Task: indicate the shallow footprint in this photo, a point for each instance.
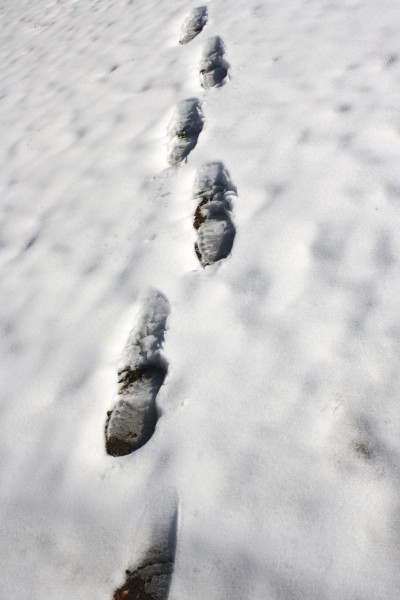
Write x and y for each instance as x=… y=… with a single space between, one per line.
x=151 y=579
x=213 y=66
x=185 y=129
x=212 y=220
x=193 y=24
x=133 y=419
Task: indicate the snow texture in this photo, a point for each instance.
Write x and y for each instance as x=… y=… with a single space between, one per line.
x=278 y=426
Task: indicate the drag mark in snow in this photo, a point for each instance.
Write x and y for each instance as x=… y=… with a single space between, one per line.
x=185 y=129
x=151 y=579
x=133 y=419
x=213 y=66
x=193 y=24
x=212 y=221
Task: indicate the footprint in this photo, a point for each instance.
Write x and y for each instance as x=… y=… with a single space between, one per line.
x=133 y=419
x=193 y=24
x=213 y=66
x=212 y=220
x=185 y=129
x=151 y=579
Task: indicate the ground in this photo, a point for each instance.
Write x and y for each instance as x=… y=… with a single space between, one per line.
x=278 y=434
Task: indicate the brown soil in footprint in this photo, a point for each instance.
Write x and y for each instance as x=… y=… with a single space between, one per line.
x=199 y=219
x=115 y=447
x=132 y=421
x=150 y=578
x=151 y=582
x=132 y=591
x=213 y=192
x=128 y=376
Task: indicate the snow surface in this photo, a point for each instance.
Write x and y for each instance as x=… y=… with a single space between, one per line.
x=279 y=429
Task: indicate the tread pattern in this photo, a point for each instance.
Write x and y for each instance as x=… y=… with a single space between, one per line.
x=212 y=219
x=213 y=66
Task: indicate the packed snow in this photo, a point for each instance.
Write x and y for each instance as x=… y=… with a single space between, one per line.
x=276 y=455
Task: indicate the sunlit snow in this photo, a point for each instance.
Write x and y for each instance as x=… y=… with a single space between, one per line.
x=277 y=447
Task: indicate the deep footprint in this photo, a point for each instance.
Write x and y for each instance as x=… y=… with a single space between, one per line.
x=133 y=419
x=151 y=579
x=185 y=129
x=213 y=66
x=212 y=221
x=194 y=24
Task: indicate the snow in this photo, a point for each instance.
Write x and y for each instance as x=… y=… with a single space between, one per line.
x=278 y=431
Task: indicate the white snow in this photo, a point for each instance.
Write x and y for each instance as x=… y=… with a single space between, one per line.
x=279 y=429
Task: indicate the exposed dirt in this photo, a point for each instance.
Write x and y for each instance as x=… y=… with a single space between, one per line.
x=117 y=447
x=128 y=376
x=135 y=429
x=139 y=584
x=199 y=219
x=134 y=590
